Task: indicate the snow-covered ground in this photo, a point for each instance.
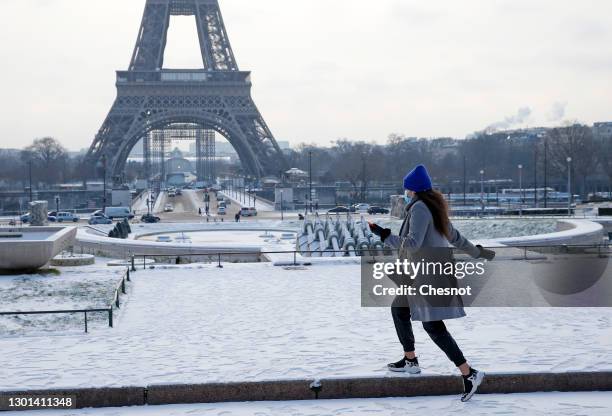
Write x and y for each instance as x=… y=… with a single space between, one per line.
x=535 y=404
x=90 y=287
x=158 y=202
x=139 y=205
x=247 y=322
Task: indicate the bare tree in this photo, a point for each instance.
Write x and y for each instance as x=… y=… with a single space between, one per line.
x=49 y=157
x=575 y=141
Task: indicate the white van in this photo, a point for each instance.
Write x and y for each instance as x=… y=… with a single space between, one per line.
x=120 y=213
x=248 y=212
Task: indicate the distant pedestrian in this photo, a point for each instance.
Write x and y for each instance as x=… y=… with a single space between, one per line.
x=200 y=212
x=237 y=217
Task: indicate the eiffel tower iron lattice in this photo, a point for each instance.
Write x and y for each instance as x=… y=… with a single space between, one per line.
x=216 y=97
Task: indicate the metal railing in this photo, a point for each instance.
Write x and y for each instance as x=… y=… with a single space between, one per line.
x=136 y=260
x=115 y=302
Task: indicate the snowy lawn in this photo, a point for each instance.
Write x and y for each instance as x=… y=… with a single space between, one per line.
x=591 y=403
x=246 y=322
x=61 y=288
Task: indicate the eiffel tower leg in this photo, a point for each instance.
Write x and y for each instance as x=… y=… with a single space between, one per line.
x=261 y=140
x=109 y=139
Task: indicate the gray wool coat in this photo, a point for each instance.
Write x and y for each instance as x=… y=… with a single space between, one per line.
x=417 y=233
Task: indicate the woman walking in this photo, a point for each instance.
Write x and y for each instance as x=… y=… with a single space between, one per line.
x=427 y=226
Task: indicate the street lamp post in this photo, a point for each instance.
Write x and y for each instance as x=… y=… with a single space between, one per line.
x=310 y=179
x=545 y=172
x=30 y=174
x=282 y=211
x=464 y=180
x=535 y=178
x=569 y=186
x=482 y=202
x=520 y=167
x=104 y=183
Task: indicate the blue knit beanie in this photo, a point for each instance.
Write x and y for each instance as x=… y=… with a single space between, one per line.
x=418 y=180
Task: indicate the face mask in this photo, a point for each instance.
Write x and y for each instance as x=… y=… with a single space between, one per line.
x=407 y=199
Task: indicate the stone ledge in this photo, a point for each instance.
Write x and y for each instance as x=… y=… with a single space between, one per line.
x=408 y=386
x=87 y=397
x=348 y=388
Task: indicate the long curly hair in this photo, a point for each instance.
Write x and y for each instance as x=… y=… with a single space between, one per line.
x=438 y=207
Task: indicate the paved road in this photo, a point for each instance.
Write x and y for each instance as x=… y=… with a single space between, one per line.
x=186 y=208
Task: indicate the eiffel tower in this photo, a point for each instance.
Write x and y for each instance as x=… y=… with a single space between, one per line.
x=216 y=97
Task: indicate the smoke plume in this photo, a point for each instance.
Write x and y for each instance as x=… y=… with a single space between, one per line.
x=521 y=116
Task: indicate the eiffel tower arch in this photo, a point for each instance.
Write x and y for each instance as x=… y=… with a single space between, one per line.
x=215 y=97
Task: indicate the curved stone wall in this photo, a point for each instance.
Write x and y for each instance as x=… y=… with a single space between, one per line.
x=570 y=232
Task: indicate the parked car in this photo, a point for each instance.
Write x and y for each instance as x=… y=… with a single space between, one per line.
x=150 y=219
x=66 y=217
x=360 y=208
x=377 y=210
x=339 y=209
x=248 y=212
x=25 y=218
x=169 y=208
x=221 y=211
x=120 y=213
x=99 y=219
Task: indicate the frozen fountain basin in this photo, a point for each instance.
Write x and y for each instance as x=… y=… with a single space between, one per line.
x=30 y=248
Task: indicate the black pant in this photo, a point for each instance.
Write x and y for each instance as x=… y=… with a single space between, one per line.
x=436 y=330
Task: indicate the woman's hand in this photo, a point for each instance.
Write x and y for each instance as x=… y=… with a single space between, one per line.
x=485 y=253
x=383 y=233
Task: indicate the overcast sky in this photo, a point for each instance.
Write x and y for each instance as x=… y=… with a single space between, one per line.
x=325 y=69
